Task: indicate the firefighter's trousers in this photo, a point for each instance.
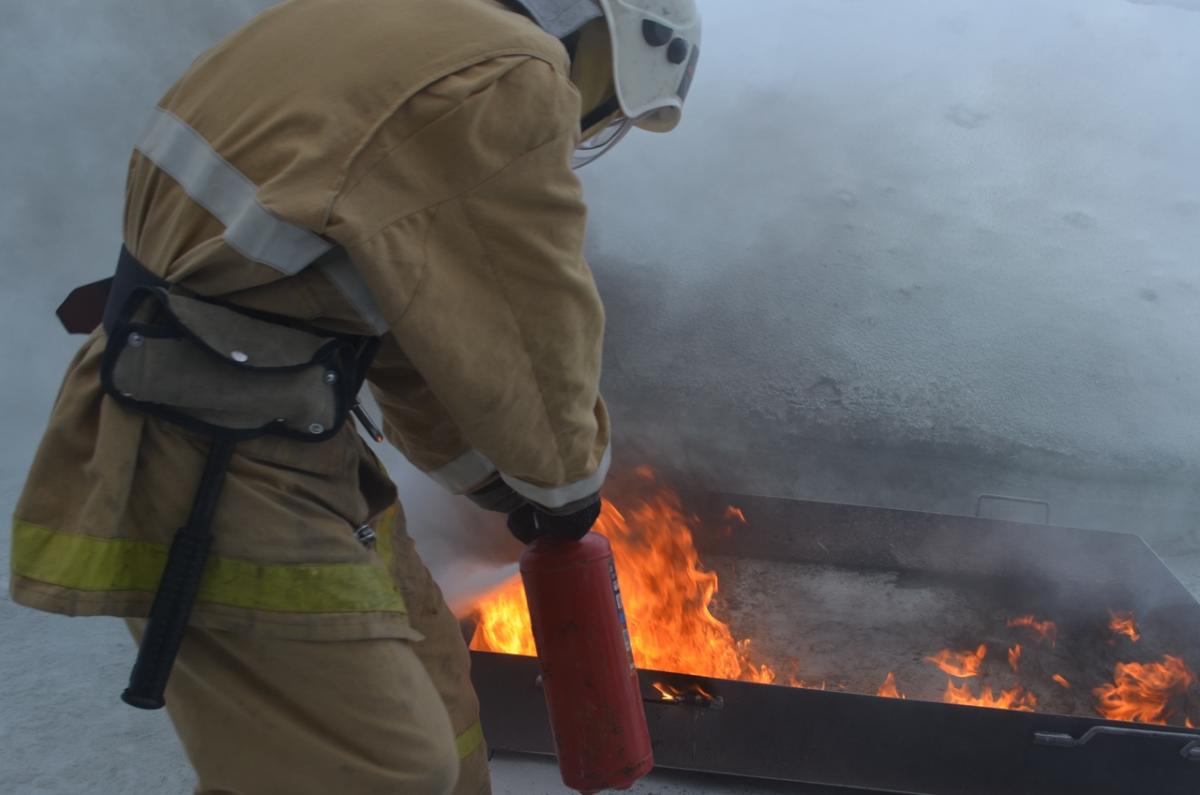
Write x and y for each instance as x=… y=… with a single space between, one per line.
x=261 y=716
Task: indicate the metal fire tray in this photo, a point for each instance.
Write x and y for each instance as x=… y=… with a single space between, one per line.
x=901 y=573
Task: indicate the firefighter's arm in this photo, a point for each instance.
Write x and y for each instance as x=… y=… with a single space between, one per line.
x=414 y=421
x=493 y=365
x=418 y=425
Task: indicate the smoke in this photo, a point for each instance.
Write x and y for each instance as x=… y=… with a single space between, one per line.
x=1186 y=5
x=78 y=78
x=469 y=551
x=898 y=253
x=901 y=254
x=909 y=253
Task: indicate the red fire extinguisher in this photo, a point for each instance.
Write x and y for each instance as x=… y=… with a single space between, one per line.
x=591 y=686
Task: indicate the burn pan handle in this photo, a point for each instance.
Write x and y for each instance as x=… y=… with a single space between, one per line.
x=690 y=694
x=1001 y=498
x=695 y=702
x=1190 y=751
x=693 y=696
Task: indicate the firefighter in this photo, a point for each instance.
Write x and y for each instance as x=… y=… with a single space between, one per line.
x=397 y=171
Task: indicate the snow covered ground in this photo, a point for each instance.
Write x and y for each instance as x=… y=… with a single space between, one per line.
x=900 y=253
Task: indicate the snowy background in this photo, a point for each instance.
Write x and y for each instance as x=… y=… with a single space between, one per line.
x=900 y=253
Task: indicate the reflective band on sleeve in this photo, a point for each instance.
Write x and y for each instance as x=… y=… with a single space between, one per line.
x=472 y=468
x=469 y=469
x=561 y=495
x=215 y=184
x=469 y=741
x=87 y=563
x=338 y=268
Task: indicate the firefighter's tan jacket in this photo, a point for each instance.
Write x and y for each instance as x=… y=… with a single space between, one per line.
x=391 y=167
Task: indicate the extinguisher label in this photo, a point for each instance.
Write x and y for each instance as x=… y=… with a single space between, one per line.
x=616 y=588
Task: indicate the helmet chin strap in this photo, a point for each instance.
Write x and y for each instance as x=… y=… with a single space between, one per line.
x=571 y=43
x=592 y=73
x=602 y=141
x=594 y=119
x=583 y=30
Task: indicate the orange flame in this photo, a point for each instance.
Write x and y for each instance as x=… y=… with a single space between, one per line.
x=666 y=591
x=1146 y=693
x=1018 y=698
x=1122 y=623
x=960 y=664
x=668 y=693
x=1014 y=657
x=668 y=595
x=502 y=622
x=888 y=689
x=693 y=693
x=1042 y=630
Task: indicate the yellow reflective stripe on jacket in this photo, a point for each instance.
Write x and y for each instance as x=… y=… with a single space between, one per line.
x=86 y=563
x=469 y=741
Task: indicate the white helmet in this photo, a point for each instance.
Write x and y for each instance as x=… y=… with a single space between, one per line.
x=655 y=47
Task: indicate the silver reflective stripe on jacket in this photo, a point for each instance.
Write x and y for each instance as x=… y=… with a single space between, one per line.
x=250 y=228
x=463 y=473
x=559 y=496
x=472 y=468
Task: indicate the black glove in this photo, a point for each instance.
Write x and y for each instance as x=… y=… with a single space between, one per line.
x=496 y=495
x=531 y=522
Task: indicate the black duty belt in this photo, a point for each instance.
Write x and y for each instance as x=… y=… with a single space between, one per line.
x=98 y=303
x=113 y=303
